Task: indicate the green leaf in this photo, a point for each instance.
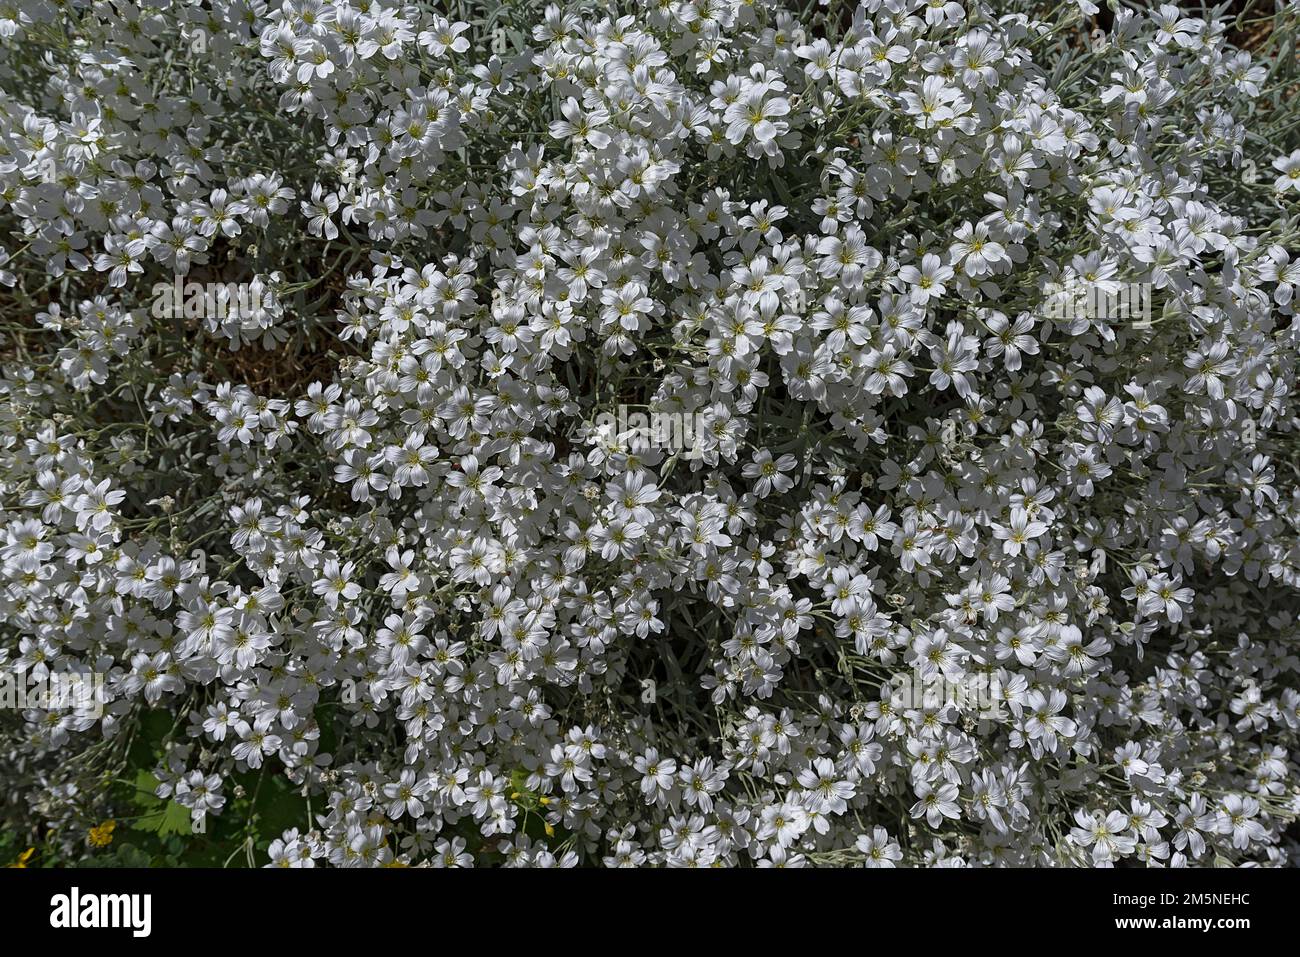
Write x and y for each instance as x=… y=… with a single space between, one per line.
x=160 y=817
x=146 y=791
x=172 y=818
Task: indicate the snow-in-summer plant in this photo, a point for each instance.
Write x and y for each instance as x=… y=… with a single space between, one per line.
x=985 y=549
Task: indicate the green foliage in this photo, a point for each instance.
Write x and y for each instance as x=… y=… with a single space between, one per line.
x=157 y=815
x=158 y=832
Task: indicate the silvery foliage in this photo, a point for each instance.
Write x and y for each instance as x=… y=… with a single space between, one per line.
x=830 y=236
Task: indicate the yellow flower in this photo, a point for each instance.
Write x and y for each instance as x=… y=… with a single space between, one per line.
x=23 y=858
x=102 y=836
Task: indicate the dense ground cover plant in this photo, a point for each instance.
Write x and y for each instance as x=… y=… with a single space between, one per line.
x=316 y=318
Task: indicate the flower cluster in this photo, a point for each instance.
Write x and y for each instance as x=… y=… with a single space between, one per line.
x=348 y=522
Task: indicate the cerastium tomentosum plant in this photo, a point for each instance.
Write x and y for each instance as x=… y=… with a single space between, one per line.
x=706 y=432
